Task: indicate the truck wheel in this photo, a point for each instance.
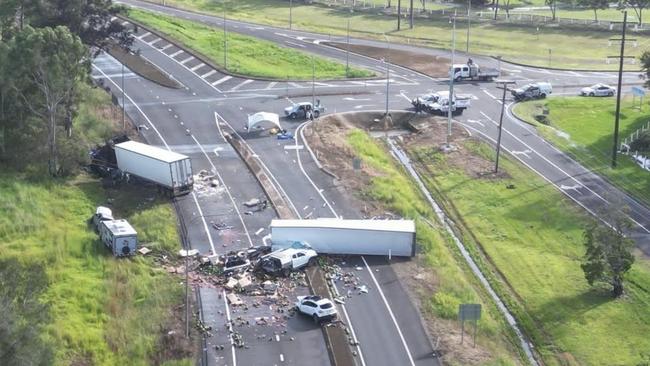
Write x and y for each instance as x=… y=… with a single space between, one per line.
x=543 y=96
x=293 y=115
x=316 y=319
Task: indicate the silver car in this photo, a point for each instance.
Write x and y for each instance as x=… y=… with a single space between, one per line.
x=598 y=90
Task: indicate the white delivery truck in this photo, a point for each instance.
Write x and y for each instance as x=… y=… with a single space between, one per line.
x=472 y=71
x=118 y=236
x=167 y=169
x=355 y=237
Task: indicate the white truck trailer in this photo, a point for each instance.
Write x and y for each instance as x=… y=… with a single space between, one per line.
x=118 y=236
x=167 y=169
x=355 y=237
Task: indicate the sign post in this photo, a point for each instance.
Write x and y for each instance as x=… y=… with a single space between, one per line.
x=638 y=91
x=469 y=312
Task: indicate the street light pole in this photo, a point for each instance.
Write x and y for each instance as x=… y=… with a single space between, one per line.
x=290 y=10
x=452 y=76
x=618 y=92
x=347 y=53
x=313 y=82
x=225 y=38
x=387 y=73
x=123 y=101
x=469 y=22
x=503 y=107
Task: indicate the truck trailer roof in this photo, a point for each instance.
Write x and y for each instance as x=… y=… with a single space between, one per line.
x=151 y=151
x=120 y=228
x=407 y=226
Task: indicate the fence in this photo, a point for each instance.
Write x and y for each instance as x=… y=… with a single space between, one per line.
x=642 y=160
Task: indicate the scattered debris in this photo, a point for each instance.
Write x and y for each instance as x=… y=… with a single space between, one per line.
x=188 y=253
x=144 y=251
x=234 y=300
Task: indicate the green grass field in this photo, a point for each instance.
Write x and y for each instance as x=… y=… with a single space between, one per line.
x=513 y=42
x=587 y=128
x=455 y=283
x=532 y=235
x=247 y=55
x=101 y=310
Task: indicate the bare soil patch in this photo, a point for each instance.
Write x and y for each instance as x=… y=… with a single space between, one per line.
x=142 y=67
x=434 y=66
x=328 y=138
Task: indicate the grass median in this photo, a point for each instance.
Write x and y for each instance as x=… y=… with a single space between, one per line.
x=584 y=128
x=246 y=55
x=529 y=44
x=532 y=236
x=93 y=309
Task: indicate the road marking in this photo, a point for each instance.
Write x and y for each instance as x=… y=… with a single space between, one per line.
x=357 y=99
x=258 y=233
x=295 y=44
x=293 y=147
x=176 y=53
x=144 y=35
x=187 y=60
x=197 y=66
x=223 y=79
x=281 y=357
x=476 y=122
x=524 y=153
x=166 y=46
x=271 y=84
x=574 y=188
x=211 y=72
x=230 y=331
x=392 y=316
x=575 y=73
x=295 y=85
x=489 y=94
x=154 y=41
x=205 y=224
x=241 y=84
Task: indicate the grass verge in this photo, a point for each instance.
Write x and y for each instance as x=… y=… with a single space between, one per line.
x=246 y=55
x=100 y=310
x=519 y=43
x=584 y=127
x=455 y=284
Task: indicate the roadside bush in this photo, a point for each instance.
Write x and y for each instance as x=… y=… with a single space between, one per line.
x=543 y=119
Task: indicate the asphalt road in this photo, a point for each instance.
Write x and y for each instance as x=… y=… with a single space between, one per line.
x=185 y=120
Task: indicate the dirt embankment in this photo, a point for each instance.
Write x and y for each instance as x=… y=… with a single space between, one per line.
x=434 y=66
x=142 y=67
x=328 y=138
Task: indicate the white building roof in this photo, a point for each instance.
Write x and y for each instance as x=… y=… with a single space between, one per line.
x=120 y=228
x=407 y=226
x=152 y=151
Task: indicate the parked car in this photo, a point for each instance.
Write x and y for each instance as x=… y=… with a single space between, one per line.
x=598 y=90
x=532 y=91
x=287 y=260
x=316 y=307
x=300 y=110
x=101 y=214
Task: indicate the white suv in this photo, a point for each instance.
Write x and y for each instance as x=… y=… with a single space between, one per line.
x=316 y=307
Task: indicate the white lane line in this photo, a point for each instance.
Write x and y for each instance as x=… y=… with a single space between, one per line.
x=166 y=46
x=187 y=60
x=281 y=357
x=144 y=35
x=154 y=41
x=241 y=84
x=223 y=183
x=176 y=53
x=205 y=224
x=222 y=80
x=294 y=44
x=322 y=84
x=349 y=322
x=489 y=94
x=230 y=331
x=272 y=84
x=295 y=85
x=197 y=66
x=575 y=73
x=211 y=72
x=392 y=316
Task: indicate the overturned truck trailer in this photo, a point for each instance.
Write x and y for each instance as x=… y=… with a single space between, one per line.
x=355 y=237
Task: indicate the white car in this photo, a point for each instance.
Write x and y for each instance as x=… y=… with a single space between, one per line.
x=286 y=260
x=598 y=90
x=299 y=110
x=316 y=307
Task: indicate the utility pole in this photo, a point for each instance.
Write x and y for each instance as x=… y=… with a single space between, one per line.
x=496 y=9
x=387 y=60
x=123 y=100
x=347 y=53
x=411 y=15
x=399 y=14
x=469 y=22
x=618 y=92
x=452 y=76
x=225 y=38
x=187 y=296
x=290 y=10
x=505 y=84
x=313 y=82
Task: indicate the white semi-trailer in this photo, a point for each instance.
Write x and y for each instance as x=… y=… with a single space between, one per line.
x=167 y=169
x=356 y=237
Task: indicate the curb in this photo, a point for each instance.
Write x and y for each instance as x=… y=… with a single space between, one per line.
x=554 y=68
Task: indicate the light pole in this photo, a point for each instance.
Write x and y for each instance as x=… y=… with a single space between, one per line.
x=313 y=82
x=290 y=10
x=347 y=53
x=452 y=76
x=123 y=100
x=387 y=60
x=225 y=38
x=505 y=84
x=618 y=92
x=469 y=22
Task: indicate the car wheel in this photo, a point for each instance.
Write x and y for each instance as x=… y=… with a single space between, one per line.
x=293 y=115
x=591 y=94
x=543 y=96
x=316 y=114
x=316 y=318
x=611 y=94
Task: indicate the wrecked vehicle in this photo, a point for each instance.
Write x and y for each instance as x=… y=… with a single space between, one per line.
x=235 y=263
x=283 y=261
x=316 y=307
x=101 y=214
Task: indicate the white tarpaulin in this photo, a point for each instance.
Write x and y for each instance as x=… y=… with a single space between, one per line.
x=260 y=117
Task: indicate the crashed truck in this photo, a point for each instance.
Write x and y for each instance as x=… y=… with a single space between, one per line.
x=342 y=236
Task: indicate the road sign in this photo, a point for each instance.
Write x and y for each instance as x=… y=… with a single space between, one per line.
x=469 y=312
x=638 y=91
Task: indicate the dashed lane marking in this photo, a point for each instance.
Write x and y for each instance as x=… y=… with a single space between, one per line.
x=222 y=80
x=211 y=72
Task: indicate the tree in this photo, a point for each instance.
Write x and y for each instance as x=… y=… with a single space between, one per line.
x=48 y=63
x=608 y=255
x=594 y=5
x=645 y=66
x=637 y=6
x=552 y=5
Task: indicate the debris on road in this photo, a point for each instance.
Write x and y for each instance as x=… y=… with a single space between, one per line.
x=144 y=250
x=188 y=253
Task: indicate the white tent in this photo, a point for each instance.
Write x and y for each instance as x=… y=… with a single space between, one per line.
x=260 y=117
